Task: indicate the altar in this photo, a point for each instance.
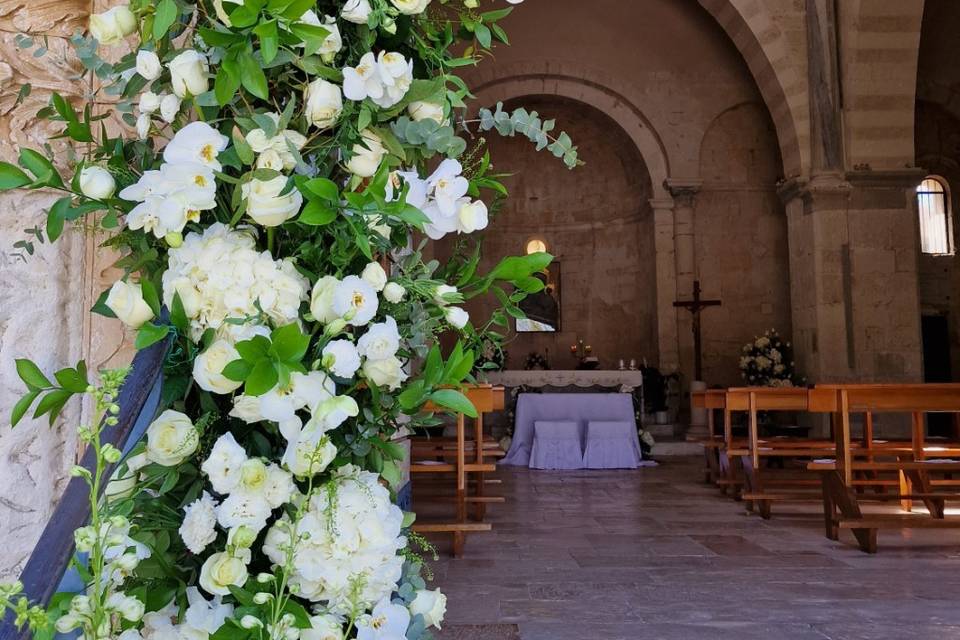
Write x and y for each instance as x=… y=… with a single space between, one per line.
x=626 y=381
x=577 y=397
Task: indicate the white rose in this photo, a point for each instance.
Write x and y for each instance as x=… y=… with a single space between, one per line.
x=189 y=74
x=171 y=438
x=113 y=25
x=96 y=182
x=421 y=110
x=169 y=107
x=393 y=292
x=356 y=11
x=270 y=159
x=321 y=300
x=367 y=155
x=265 y=204
x=324 y=102
x=323 y=628
x=243 y=508
x=443 y=290
x=220 y=571
x=198 y=530
x=355 y=301
x=432 y=605
x=410 y=7
x=472 y=216
x=143 y=126
x=456 y=316
x=148 y=64
x=387 y=372
x=381 y=340
x=208 y=368
x=374 y=275
x=126 y=301
x=149 y=102
x=341 y=358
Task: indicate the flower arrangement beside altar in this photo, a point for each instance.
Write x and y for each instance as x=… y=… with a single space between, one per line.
x=767 y=361
x=287 y=154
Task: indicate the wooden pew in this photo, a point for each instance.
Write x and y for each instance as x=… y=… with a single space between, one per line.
x=760 y=487
x=720 y=468
x=914 y=463
x=465 y=463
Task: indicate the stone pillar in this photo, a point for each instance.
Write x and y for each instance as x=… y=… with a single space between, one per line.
x=663 y=225
x=684 y=193
x=854 y=276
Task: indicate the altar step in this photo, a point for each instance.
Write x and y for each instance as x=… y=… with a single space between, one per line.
x=671 y=441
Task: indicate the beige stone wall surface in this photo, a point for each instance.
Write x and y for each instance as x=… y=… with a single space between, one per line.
x=46 y=297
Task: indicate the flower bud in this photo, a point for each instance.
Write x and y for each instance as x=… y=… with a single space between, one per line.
x=96 y=182
x=250 y=622
x=242 y=536
x=173 y=239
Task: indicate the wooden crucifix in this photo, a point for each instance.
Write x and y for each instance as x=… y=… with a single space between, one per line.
x=695 y=306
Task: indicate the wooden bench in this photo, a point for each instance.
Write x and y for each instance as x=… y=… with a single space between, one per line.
x=449 y=456
x=912 y=463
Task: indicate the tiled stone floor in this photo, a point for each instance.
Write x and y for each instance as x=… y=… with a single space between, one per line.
x=656 y=554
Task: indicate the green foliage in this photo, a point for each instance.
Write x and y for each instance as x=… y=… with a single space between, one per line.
x=529 y=124
x=265 y=362
x=52 y=397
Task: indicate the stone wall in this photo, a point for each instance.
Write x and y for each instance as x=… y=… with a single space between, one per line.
x=46 y=296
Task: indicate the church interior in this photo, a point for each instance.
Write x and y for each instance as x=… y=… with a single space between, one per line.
x=754 y=301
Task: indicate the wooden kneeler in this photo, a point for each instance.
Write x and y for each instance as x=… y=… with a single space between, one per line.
x=454 y=456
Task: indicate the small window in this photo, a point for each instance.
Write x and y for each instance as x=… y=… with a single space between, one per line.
x=934 y=207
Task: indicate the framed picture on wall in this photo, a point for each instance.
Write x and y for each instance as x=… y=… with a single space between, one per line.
x=543 y=308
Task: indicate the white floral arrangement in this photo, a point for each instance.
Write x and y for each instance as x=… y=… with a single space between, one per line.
x=282 y=160
x=767 y=361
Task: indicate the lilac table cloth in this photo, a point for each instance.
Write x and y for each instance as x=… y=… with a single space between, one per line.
x=576 y=407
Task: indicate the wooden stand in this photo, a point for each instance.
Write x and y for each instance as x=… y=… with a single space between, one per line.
x=448 y=456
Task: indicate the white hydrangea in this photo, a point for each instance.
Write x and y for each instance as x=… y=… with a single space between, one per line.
x=352 y=543
x=199 y=520
x=220 y=275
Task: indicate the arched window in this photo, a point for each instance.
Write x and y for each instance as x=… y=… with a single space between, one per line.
x=933 y=201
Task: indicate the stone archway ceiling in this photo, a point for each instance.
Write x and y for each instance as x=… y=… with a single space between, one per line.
x=778 y=69
x=603 y=98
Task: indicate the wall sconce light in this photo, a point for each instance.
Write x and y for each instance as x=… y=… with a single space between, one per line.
x=536 y=246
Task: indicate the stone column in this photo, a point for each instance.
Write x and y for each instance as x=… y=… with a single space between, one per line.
x=684 y=193
x=854 y=276
x=663 y=225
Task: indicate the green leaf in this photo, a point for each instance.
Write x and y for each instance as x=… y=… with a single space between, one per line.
x=150 y=296
x=391 y=473
x=71 y=380
x=23 y=405
x=178 y=316
x=52 y=403
x=227 y=82
x=56 y=218
x=262 y=378
x=269 y=40
x=413 y=396
x=150 y=334
x=290 y=343
x=164 y=18
x=252 y=77
x=100 y=306
x=238 y=370
x=433 y=369
x=317 y=214
x=484 y=37
x=42 y=169
x=453 y=399
x=12 y=177
x=244 y=152
x=30 y=373
x=324 y=188
x=253 y=349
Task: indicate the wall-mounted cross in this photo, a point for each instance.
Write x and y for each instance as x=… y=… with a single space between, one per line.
x=695 y=306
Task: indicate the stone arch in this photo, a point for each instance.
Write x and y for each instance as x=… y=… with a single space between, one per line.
x=879 y=108
x=762 y=172
x=767 y=53
x=627 y=115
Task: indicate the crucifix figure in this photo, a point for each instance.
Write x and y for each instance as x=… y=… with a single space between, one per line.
x=695 y=306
